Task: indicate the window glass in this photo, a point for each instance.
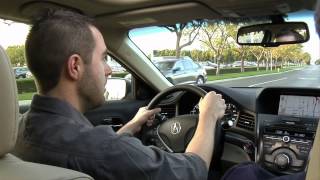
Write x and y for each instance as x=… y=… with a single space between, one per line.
x=116 y=87
x=187 y=65
x=212 y=43
x=179 y=65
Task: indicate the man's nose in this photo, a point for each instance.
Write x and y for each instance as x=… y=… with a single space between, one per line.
x=107 y=70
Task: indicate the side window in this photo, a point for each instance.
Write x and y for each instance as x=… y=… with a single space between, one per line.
x=119 y=84
x=25 y=79
x=25 y=83
x=179 y=65
x=117 y=87
x=195 y=65
x=187 y=65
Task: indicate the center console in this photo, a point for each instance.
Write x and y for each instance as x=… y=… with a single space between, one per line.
x=287 y=122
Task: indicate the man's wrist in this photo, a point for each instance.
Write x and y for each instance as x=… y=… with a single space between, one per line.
x=133 y=127
x=208 y=117
x=127 y=128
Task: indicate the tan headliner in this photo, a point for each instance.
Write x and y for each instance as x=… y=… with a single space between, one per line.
x=127 y=14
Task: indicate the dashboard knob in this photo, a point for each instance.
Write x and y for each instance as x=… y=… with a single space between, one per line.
x=282 y=161
x=230 y=123
x=286 y=139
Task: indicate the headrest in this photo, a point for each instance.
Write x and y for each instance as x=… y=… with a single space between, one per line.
x=9 y=109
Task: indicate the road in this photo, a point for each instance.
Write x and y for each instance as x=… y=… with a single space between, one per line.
x=305 y=77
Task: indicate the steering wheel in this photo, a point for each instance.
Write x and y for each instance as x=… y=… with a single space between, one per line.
x=174 y=134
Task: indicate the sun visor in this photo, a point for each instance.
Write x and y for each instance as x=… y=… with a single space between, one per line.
x=161 y=15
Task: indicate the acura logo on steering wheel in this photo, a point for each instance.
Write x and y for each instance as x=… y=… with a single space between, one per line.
x=175 y=128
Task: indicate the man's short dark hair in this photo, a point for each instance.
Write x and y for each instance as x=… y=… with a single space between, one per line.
x=53 y=38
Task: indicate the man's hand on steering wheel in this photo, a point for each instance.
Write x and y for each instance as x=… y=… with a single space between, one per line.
x=212 y=106
x=143 y=116
x=199 y=134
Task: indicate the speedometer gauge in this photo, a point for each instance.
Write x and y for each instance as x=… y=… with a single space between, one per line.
x=230 y=116
x=195 y=109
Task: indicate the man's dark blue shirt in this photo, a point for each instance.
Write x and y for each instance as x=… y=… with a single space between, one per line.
x=55 y=133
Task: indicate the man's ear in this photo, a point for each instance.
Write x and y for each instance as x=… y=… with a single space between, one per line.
x=74 y=67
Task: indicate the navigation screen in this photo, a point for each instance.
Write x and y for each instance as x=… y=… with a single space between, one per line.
x=299 y=106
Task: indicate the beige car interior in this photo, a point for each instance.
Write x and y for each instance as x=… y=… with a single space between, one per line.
x=313 y=171
x=115 y=18
x=11 y=167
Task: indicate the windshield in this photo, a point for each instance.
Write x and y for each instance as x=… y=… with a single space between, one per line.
x=212 y=44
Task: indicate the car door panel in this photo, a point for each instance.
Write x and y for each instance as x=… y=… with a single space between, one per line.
x=179 y=75
x=115 y=113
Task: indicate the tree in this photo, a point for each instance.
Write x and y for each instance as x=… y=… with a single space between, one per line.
x=242 y=54
x=186 y=32
x=16 y=55
x=277 y=54
x=216 y=36
x=293 y=53
x=306 y=57
x=258 y=53
x=269 y=58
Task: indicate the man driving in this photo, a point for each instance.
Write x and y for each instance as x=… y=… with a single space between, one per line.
x=66 y=53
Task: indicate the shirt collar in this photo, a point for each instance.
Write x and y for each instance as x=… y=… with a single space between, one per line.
x=56 y=106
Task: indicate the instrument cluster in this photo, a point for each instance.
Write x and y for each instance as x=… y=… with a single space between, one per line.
x=230 y=116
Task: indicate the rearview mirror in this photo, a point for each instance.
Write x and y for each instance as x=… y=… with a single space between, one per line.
x=269 y=35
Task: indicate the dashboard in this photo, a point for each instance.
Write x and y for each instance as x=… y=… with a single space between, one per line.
x=274 y=127
x=287 y=120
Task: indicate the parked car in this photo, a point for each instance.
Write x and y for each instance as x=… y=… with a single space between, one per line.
x=208 y=65
x=159 y=58
x=29 y=74
x=245 y=64
x=182 y=71
x=236 y=64
x=250 y=63
x=223 y=66
x=20 y=72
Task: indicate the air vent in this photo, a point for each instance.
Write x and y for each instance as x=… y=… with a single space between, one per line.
x=246 y=121
x=168 y=111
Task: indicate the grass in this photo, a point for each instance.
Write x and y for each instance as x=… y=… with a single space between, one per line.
x=245 y=74
x=25 y=96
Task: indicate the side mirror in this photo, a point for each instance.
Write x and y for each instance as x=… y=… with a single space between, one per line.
x=116 y=88
x=174 y=70
x=271 y=35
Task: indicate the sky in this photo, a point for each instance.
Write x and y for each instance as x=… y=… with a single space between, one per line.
x=313 y=45
x=13 y=34
x=152 y=38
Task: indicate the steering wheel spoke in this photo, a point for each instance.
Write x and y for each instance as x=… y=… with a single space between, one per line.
x=177 y=132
